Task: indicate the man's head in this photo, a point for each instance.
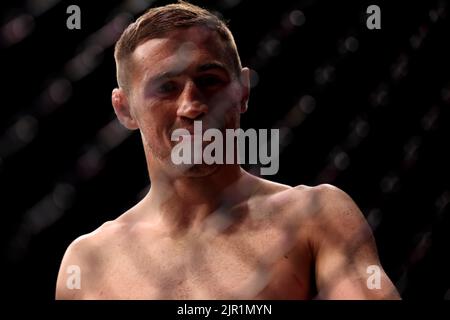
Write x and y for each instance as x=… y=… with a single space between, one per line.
x=159 y=22
x=175 y=65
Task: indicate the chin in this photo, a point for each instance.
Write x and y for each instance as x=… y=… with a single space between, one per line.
x=198 y=170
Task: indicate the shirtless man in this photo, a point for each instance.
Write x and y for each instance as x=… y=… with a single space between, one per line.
x=212 y=231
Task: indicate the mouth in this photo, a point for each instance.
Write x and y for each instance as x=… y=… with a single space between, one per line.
x=190 y=131
x=186 y=137
x=194 y=131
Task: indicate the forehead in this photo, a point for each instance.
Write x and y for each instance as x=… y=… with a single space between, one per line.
x=180 y=50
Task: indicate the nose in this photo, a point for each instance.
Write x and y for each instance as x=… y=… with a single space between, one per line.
x=191 y=102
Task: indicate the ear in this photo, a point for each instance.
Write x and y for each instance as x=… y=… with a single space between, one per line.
x=122 y=109
x=245 y=87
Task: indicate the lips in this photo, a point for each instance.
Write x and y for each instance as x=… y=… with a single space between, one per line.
x=192 y=132
x=200 y=125
x=191 y=129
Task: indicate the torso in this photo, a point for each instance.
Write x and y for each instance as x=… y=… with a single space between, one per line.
x=267 y=257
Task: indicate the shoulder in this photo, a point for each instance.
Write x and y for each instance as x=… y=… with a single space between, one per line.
x=321 y=204
x=336 y=227
x=83 y=258
x=102 y=234
x=337 y=210
x=97 y=238
x=325 y=201
x=332 y=211
x=101 y=238
x=320 y=199
x=343 y=249
x=325 y=195
x=322 y=210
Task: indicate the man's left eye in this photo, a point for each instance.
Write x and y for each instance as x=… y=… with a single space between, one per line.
x=209 y=81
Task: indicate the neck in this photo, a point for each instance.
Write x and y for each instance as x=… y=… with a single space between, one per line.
x=183 y=203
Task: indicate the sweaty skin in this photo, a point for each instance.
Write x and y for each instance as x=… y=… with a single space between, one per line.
x=215 y=231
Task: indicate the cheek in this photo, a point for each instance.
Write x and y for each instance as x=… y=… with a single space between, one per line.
x=151 y=113
x=152 y=121
x=234 y=92
x=227 y=100
x=153 y=128
x=154 y=137
x=233 y=118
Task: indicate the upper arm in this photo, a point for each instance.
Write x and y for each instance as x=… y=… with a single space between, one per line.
x=74 y=268
x=345 y=251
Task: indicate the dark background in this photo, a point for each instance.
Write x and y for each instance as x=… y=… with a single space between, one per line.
x=365 y=110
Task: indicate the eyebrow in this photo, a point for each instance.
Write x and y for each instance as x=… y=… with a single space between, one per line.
x=212 y=66
x=202 y=68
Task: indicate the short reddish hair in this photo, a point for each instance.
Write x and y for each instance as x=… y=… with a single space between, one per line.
x=159 y=21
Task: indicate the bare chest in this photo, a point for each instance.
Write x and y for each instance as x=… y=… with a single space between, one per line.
x=269 y=264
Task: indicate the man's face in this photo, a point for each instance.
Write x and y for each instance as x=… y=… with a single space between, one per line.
x=184 y=77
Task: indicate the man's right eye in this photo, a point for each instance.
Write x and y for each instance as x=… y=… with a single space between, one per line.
x=167 y=87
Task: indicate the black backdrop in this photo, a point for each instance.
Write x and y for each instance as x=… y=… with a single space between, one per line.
x=365 y=110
